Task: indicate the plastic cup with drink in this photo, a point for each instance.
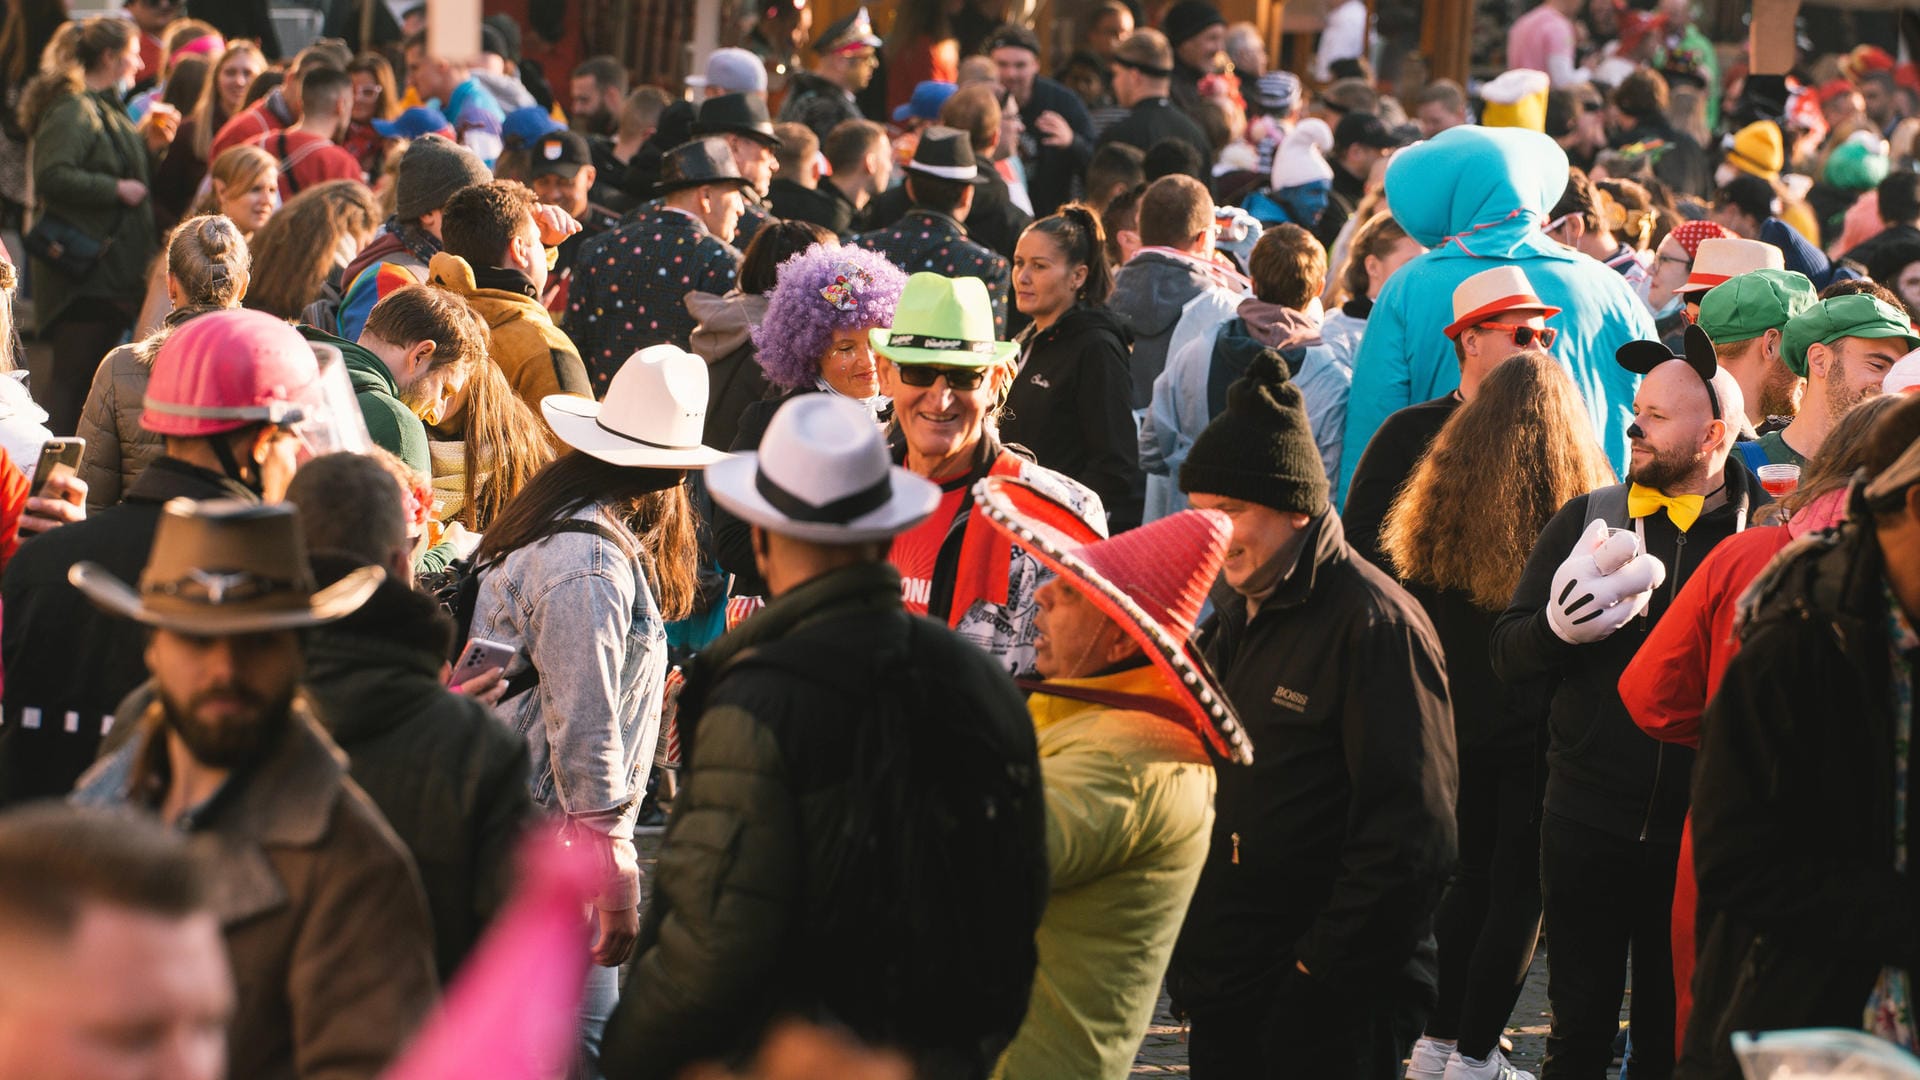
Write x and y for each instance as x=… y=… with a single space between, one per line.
x=1779 y=480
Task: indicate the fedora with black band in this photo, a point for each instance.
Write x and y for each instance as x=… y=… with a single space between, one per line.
x=823 y=474
x=945 y=321
x=225 y=567
x=947 y=153
x=651 y=418
x=737 y=114
x=1151 y=581
x=702 y=162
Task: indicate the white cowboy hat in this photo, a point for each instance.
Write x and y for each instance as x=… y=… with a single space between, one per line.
x=823 y=474
x=655 y=408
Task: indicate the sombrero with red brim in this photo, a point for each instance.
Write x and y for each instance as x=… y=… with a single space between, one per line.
x=1167 y=565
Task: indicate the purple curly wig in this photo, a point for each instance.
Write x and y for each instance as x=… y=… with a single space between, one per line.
x=820 y=292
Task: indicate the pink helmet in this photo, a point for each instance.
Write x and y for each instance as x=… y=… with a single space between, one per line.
x=227 y=369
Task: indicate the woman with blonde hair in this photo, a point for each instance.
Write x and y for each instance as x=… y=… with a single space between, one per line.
x=91 y=230
x=484 y=449
x=245 y=188
x=1378 y=248
x=300 y=253
x=1458 y=536
x=176 y=183
x=207 y=269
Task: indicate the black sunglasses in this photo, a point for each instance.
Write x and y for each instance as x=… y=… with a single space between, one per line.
x=959 y=380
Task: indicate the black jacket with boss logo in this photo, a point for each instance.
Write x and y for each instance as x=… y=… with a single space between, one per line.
x=1332 y=847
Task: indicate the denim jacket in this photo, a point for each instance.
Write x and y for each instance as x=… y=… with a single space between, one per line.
x=581 y=611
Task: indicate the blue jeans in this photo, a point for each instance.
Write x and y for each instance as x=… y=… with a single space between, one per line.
x=596 y=1006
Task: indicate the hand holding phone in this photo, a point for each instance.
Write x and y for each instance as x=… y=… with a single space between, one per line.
x=56 y=495
x=479 y=657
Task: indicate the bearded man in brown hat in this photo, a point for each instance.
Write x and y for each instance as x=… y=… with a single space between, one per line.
x=320 y=905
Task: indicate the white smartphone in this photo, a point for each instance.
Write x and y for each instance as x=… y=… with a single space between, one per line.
x=479 y=657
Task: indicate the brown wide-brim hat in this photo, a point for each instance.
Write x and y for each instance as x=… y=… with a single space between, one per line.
x=226 y=567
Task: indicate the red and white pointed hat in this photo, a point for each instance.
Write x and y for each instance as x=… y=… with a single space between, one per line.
x=1152 y=581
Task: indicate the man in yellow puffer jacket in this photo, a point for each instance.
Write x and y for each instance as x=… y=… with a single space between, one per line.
x=1125 y=718
x=496 y=260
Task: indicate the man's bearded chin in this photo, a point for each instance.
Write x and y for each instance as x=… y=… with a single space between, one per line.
x=231 y=745
x=1666 y=470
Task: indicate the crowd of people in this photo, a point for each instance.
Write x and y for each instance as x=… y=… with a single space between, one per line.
x=1030 y=545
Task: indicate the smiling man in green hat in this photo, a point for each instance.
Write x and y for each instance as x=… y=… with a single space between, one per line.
x=1843 y=347
x=1746 y=316
x=947 y=374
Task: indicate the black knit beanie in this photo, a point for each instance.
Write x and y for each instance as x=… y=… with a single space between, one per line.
x=1187 y=19
x=1260 y=449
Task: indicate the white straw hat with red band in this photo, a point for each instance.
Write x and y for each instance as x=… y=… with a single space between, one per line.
x=1722 y=258
x=1493 y=292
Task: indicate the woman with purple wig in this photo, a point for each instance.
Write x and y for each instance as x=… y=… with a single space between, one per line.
x=813 y=339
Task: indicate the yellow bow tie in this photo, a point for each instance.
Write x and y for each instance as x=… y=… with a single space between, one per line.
x=1682 y=510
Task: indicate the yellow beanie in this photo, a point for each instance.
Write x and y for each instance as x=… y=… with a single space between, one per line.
x=1517 y=98
x=1758 y=150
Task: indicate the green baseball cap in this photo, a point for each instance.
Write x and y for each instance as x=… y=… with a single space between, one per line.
x=943 y=320
x=1827 y=321
x=1750 y=304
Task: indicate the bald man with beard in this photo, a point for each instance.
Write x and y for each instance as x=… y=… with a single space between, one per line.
x=1601 y=574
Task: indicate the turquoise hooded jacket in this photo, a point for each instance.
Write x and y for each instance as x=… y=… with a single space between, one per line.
x=1478 y=197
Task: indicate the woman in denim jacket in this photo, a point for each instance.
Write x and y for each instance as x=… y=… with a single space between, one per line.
x=580 y=574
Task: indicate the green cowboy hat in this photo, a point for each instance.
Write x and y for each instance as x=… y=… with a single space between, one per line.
x=945 y=321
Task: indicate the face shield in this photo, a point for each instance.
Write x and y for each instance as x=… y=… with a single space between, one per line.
x=325 y=416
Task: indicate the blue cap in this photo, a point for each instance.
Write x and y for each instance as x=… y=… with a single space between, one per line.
x=529 y=124
x=415 y=122
x=926 y=102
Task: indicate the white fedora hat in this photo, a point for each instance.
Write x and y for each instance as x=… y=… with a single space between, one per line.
x=655 y=408
x=823 y=474
x=1722 y=258
x=1491 y=292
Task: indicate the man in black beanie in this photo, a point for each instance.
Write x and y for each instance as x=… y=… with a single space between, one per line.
x=1308 y=948
x=1198 y=33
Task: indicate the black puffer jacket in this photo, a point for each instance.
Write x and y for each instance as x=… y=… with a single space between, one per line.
x=450 y=779
x=1071 y=405
x=1602 y=770
x=860 y=840
x=1800 y=906
x=1332 y=847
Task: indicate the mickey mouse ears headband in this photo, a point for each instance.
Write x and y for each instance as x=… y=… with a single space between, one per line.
x=1641 y=357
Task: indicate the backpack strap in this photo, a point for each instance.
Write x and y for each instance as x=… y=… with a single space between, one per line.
x=1609 y=504
x=1752 y=453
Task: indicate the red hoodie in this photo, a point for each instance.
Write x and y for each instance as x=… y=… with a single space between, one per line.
x=1668 y=683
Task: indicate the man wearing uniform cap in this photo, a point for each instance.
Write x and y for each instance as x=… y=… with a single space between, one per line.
x=561 y=173
x=1745 y=317
x=847 y=52
x=1806 y=916
x=1843 y=347
x=742 y=120
x=1142 y=84
x=931 y=237
x=630 y=285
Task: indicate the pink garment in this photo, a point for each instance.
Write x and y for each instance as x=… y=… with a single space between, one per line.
x=1539 y=38
x=1861 y=223
x=512 y=1012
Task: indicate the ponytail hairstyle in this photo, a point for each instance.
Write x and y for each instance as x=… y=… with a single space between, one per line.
x=1375 y=239
x=1076 y=230
x=209 y=259
x=75 y=49
x=99 y=38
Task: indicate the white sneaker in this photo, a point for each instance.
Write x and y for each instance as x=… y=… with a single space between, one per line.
x=1429 y=1061
x=1496 y=1067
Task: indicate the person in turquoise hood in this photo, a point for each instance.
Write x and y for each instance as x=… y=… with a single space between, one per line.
x=1478 y=197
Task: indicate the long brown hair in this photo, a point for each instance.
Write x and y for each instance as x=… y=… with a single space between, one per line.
x=208 y=116
x=293 y=253
x=1503 y=464
x=375 y=66
x=506 y=445
x=1831 y=467
x=663 y=519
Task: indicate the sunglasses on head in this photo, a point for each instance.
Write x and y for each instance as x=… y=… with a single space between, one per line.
x=1524 y=336
x=959 y=379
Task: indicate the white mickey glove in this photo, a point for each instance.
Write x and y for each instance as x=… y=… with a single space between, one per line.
x=1603 y=584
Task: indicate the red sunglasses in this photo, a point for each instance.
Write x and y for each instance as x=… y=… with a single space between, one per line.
x=1522 y=335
